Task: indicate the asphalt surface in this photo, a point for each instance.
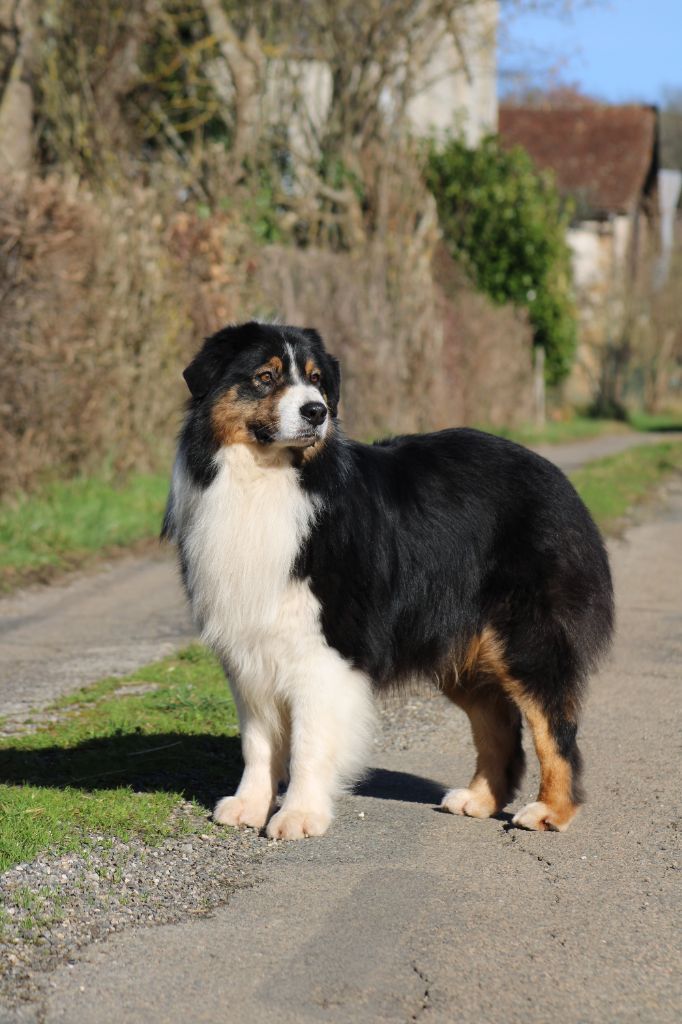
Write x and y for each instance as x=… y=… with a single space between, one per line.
x=108 y=622
x=402 y=913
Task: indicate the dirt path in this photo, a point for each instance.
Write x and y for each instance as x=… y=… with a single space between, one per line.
x=403 y=914
x=114 y=619
x=576 y=453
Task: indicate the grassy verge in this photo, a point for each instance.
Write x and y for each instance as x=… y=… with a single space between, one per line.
x=66 y=523
x=579 y=428
x=663 y=421
x=117 y=757
x=612 y=486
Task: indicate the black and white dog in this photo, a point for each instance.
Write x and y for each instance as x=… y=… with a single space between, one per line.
x=320 y=569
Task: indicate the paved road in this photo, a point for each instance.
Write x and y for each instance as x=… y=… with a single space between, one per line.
x=404 y=914
x=112 y=620
x=55 y=639
x=576 y=453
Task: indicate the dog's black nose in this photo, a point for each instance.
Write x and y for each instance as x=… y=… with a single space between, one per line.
x=314 y=412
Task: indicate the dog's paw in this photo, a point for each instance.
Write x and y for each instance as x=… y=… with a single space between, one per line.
x=465 y=801
x=241 y=813
x=297 y=824
x=540 y=817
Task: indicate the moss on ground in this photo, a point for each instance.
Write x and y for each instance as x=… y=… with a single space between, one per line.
x=114 y=762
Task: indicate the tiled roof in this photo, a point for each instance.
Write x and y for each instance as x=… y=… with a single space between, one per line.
x=602 y=155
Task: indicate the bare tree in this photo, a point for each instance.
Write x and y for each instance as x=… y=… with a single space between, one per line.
x=245 y=62
x=18 y=34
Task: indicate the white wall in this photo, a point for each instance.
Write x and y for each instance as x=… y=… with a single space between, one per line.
x=458 y=92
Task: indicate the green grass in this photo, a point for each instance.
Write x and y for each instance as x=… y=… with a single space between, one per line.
x=117 y=762
x=646 y=421
x=611 y=486
x=67 y=522
x=578 y=428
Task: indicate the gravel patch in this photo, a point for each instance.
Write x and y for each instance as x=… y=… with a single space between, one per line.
x=56 y=905
x=53 y=907
x=22 y=725
x=408 y=720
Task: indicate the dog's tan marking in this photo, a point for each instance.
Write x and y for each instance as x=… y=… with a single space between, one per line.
x=234 y=418
x=485 y=656
x=495 y=726
x=483 y=664
x=273 y=366
x=314 y=449
x=311 y=367
x=229 y=419
x=554 y=809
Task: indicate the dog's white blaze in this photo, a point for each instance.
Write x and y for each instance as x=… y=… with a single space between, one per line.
x=291 y=423
x=293 y=367
x=298 y=699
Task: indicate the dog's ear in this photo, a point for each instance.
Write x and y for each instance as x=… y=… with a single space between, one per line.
x=203 y=372
x=209 y=363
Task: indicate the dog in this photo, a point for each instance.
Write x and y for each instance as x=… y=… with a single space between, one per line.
x=320 y=570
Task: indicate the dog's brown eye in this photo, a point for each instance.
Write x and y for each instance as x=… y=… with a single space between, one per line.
x=314 y=377
x=265 y=377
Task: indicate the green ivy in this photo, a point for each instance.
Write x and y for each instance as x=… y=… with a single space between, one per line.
x=505 y=221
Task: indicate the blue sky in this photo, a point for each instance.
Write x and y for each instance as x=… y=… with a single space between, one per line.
x=617 y=50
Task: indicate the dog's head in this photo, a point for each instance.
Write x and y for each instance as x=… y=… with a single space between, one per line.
x=267 y=385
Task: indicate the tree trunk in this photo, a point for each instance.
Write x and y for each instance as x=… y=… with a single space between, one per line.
x=16 y=102
x=246 y=63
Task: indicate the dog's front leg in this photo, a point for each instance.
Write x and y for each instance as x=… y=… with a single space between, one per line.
x=263 y=749
x=331 y=724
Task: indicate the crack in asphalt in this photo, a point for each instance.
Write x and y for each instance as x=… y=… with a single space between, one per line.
x=425 y=1003
x=551 y=876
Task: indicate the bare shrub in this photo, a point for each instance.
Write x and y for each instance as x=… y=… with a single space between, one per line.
x=102 y=301
x=487 y=351
x=415 y=355
x=105 y=297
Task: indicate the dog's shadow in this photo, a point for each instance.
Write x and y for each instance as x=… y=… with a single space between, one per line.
x=198 y=767
x=383 y=784
x=391 y=785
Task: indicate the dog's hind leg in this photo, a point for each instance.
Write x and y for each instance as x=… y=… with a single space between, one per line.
x=496 y=728
x=553 y=724
x=554 y=736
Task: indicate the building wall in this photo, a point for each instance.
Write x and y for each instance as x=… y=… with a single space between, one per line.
x=458 y=92
x=600 y=253
x=598 y=250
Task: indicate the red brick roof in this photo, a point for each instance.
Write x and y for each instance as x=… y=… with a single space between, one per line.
x=601 y=154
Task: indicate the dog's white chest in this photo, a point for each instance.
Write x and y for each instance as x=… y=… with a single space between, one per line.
x=241 y=537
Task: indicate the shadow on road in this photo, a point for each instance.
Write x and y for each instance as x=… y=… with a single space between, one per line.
x=198 y=767
x=391 y=785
